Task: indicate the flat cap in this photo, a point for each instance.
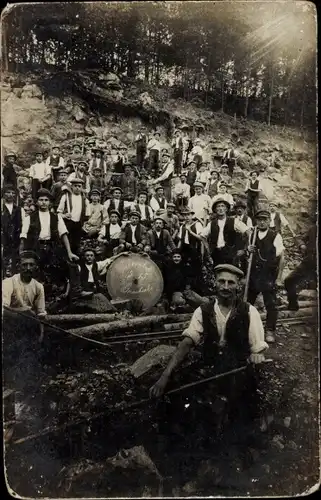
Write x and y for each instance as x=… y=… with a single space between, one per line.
x=115 y=188
x=263 y=212
x=95 y=191
x=43 y=192
x=229 y=268
x=11 y=153
x=240 y=203
x=158 y=187
x=136 y=213
x=114 y=212
x=29 y=254
x=198 y=184
x=220 y=200
x=76 y=180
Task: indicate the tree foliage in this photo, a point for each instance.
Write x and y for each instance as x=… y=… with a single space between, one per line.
x=255 y=59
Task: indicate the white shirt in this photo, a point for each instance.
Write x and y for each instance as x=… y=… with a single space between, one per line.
x=201 y=205
x=76 y=200
x=154 y=144
x=226 y=196
x=155 y=205
x=44 y=218
x=133 y=232
x=248 y=186
x=283 y=220
x=60 y=164
x=198 y=230
x=84 y=177
x=167 y=172
x=39 y=170
x=23 y=296
x=203 y=176
x=141 y=207
x=116 y=204
x=114 y=231
x=99 y=162
x=183 y=189
x=197 y=150
x=277 y=243
x=256 y=330
x=102 y=266
x=248 y=222
x=239 y=226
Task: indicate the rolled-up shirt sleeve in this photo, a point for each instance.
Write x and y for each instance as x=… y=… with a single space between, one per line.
x=61 y=227
x=240 y=227
x=278 y=244
x=25 y=226
x=195 y=329
x=256 y=332
x=39 y=303
x=102 y=265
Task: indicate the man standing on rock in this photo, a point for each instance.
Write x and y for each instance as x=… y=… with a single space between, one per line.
x=128 y=183
x=55 y=162
x=141 y=147
x=153 y=152
x=253 y=189
x=267 y=268
x=229 y=158
x=11 y=224
x=40 y=175
x=178 y=148
x=9 y=170
x=278 y=220
x=166 y=177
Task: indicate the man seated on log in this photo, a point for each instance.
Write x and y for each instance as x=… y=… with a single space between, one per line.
x=110 y=233
x=86 y=275
x=22 y=294
x=177 y=279
x=230 y=333
x=159 y=242
x=222 y=234
x=133 y=236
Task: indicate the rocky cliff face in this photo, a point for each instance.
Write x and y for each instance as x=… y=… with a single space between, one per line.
x=40 y=110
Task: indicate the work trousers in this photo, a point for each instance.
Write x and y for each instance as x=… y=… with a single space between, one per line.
x=153 y=164
x=305 y=270
x=230 y=162
x=36 y=185
x=178 y=159
x=75 y=233
x=140 y=155
x=252 y=204
x=225 y=255
x=269 y=298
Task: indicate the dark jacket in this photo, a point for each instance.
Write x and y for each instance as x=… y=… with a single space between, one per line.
x=265 y=262
x=35 y=228
x=237 y=347
x=228 y=231
x=9 y=175
x=11 y=226
x=127 y=235
x=84 y=275
x=161 y=244
x=176 y=277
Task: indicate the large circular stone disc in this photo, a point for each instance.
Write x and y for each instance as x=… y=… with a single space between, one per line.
x=134 y=276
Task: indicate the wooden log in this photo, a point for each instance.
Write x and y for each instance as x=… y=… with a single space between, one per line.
x=69 y=320
x=130 y=325
x=136 y=324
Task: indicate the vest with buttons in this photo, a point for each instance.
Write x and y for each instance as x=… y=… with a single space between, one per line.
x=265 y=262
x=193 y=242
x=84 y=276
x=120 y=208
x=228 y=231
x=277 y=223
x=237 y=347
x=11 y=225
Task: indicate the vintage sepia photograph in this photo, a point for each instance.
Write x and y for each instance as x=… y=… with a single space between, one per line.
x=159 y=249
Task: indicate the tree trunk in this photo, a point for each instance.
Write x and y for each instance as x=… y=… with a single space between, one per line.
x=5 y=55
x=271 y=97
x=302 y=112
x=247 y=93
x=222 y=92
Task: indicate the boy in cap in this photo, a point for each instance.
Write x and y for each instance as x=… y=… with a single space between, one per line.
x=278 y=220
x=40 y=175
x=82 y=174
x=58 y=188
x=178 y=147
x=224 y=176
x=128 y=183
x=117 y=202
x=267 y=268
x=153 y=153
x=141 y=147
x=171 y=220
x=222 y=233
x=97 y=180
x=11 y=224
x=9 y=169
x=191 y=176
x=110 y=233
x=133 y=235
x=147 y=214
x=97 y=161
x=231 y=333
x=176 y=273
x=229 y=158
x=211 y=187
x=97 y=215
x=159 y=242
x=158 y=200
x=121 y=160
x=203 y=174
x=190 y=246
x=181 y=192
x=74 y=208
x=56 y=162
x=74 y=158
x=200 y=203
x=223 y=193
x=253 y=189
